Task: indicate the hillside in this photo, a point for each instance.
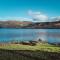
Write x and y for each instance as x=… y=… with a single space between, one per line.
x=13 y=24
x=26 y=24
x=46 y=25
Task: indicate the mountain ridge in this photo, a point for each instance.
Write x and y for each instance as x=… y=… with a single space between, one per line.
x=27 y=24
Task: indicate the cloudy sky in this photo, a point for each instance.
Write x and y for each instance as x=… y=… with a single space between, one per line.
x=36 y=10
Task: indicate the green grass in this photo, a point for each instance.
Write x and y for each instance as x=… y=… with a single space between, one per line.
x=41 y=51
x=39 y=46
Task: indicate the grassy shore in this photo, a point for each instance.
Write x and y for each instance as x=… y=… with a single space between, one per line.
x=38 y=46
x=41 y=51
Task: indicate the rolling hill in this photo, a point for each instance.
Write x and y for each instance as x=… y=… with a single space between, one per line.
x=27 y=25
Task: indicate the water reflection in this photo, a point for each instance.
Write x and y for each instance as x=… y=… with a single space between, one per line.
x=50 y=35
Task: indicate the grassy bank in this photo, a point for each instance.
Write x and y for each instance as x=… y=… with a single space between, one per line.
x=25 y=52
x=38 y=46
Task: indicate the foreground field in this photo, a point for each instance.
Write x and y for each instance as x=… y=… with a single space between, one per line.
x=25 y=52
x=39 y=46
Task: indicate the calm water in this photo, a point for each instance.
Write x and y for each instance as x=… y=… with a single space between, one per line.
x=50 y=35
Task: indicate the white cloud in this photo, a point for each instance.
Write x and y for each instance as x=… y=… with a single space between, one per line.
x=35 y=17
x=38 y=16
x=57 y=18
x=15 y=19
